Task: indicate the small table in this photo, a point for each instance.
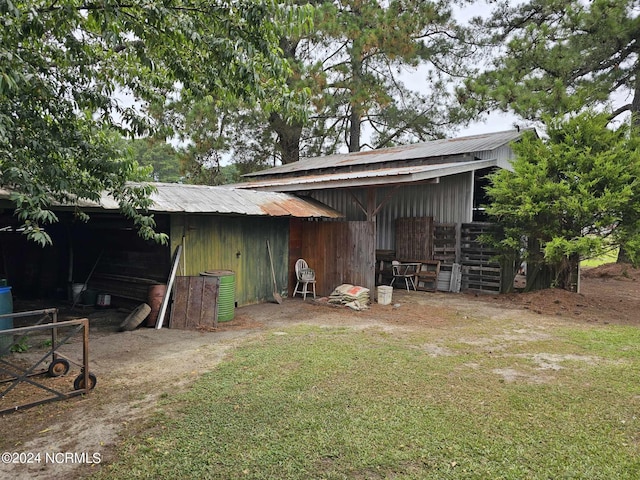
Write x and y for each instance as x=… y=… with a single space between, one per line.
x=406 y=271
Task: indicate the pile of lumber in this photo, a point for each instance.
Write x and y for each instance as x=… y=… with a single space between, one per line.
x=351 y=296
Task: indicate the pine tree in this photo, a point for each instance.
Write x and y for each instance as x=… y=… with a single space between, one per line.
x=559 y=56
x=573 y=195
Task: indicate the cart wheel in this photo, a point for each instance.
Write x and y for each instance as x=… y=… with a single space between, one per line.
x=78 y=383
x=58 y=367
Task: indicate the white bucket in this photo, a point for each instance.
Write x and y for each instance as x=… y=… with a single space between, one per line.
x=384 y=294
x=104 y=300
x=76 y=290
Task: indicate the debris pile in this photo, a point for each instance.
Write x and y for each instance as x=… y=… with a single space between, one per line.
x=354 y=297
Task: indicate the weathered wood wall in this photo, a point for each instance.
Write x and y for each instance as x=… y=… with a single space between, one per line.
x=339 y=252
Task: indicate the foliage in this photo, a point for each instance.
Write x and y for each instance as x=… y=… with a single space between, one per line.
x=65 y=67
x=366 y=46
x=559 y=56
x=338 y=403
x=349 y=72
x=21 y=346
x=161 y=156
x=216 y=133
x=574 y=194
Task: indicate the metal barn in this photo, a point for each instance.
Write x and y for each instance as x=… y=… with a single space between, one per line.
x=440 y=180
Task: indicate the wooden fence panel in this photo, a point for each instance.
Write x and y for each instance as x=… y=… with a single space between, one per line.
x=445 y=241
x=414 y=238
x=340 y=252
x=195 y=303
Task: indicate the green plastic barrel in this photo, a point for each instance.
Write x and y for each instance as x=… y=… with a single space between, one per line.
x=6 y=306
x=89 y=297
x=226 y=293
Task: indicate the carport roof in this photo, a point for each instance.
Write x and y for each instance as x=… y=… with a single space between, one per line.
x=202 y=199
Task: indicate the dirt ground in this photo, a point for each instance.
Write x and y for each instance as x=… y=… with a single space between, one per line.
x=136 y=369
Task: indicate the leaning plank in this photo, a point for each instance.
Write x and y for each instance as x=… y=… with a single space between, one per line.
x=209 y=312
x=167 y=295
x=194 y=304
x=178 y=317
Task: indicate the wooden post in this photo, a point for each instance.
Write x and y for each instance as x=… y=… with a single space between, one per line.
x=458 y=240
x=371 y=204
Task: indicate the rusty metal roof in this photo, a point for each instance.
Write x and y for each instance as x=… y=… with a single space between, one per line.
x=379 y=176
x=202 y=199
x=172 y=197
x=436 y=148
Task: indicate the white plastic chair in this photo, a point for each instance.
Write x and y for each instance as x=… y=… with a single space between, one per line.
x=305 y=276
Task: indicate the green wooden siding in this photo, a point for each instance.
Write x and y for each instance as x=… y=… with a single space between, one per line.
x=238 y=244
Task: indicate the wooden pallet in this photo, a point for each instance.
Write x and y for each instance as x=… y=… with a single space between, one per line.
x=384 y=272
x=426 y=278
x=480 y=271
x=445 y=242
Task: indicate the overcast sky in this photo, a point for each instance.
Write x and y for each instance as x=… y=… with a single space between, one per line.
x=497 y=121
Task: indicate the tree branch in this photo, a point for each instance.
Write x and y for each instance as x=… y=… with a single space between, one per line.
x=620 y=110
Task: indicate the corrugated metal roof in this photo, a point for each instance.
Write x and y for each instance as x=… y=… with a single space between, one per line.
x=435 y=148
x=176 y=198
x=172 y=197
x=380 y=176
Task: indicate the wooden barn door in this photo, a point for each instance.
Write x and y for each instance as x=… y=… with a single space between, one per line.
x=340 y=252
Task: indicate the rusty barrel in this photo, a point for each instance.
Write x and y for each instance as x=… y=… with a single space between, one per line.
x=156 y=294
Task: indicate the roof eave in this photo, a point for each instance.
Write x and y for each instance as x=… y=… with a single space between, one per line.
x=431 y=176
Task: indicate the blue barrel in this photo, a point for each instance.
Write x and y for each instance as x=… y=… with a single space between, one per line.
x=6 y=306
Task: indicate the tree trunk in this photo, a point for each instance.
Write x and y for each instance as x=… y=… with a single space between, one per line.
x=623 y=257
x=288 y=138
x=635 y=105
x=355 y=117
x=289 y=133
x=539 y=274
x=567 y=273
x=354 y=130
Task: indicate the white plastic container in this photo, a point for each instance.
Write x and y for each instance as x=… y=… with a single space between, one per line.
x=104 y=300
x=76 y=291
x=384 y=294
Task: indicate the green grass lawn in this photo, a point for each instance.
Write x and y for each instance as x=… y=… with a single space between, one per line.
x=609 y=257
x=479 y=400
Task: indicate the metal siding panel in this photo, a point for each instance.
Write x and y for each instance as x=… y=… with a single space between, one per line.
x=446 y=201
x=342 y=201
x=211 y=243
